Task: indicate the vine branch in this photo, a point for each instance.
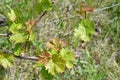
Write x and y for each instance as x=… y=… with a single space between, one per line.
x=27 y=58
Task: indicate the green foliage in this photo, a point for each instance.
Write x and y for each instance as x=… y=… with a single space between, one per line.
x=6 y=60
x=56 y=58
x=43 y=5
x=84 y=30
x=68 y=56
x=15 y=27
x=18 y=37
x=11 y=14
x=45 y=74
x=18 y=49
x=2 y=72
x=56 y=64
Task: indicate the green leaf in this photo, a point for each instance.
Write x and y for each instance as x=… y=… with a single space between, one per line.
x=59 y=63
x=11 y=14
x=32 y=36
x=15 y=27
x=69 y=64
x=51 y=67
x=46 y=4
x=43 y=5
x=56 y=64
x=88 y=24
x=45 y=74
x=6 y=60
x=18 y=49
x=18 y=37
x=68 y=56
x=52 y=51
x=84 y=30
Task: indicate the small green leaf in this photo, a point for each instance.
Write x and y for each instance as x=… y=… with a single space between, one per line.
x=50 y=67
x=68 y=56
x=52 y=51
x=84 y=30
x=15 y=27
x=88 y=24
x=46 y=4
x=6 y=60
x=32 y=36
x=43 y=5
x=56 y=64
x=69 y=64
x=11 y=14
x=18 y=37
x=45 y=74
x=18 y=49
x=59 y=63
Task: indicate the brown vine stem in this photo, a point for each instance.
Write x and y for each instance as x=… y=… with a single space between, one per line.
x=27 y=58
x=37 y=20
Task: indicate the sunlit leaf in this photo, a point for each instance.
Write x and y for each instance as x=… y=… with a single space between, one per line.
x=81 y=33
x=6 y=60
x=18 y=37
x=32 y=36
x=89 y=26
x=56 y=44
x=11 y=14
x=84 y=30
x=15 y=27
x=68 y=56
x=56 y=64
x=51 y=67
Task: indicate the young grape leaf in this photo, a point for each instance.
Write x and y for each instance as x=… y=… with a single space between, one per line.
x=46 y=4
x=6 y=60
x=18 y=37
x=45 y=74
x=68 y=56
x=32 y=36
x=56 y=44
x=44 y=58
x=11 y=14
x=15 y=27
x=56 y=64
x=18 y=49
x=51 y=67
x=29 y=25
x=84 y=30
x=89 y=25
x=43 y=5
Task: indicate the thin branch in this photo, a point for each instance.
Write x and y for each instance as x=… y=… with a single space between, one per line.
x=105 y=8
x=27 y=58
x=4 y=35
x=39 y=18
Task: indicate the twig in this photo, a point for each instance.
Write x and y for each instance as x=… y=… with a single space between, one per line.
x=101 y=9
x=27 y=58
x=39 y=18
x=4 y=35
